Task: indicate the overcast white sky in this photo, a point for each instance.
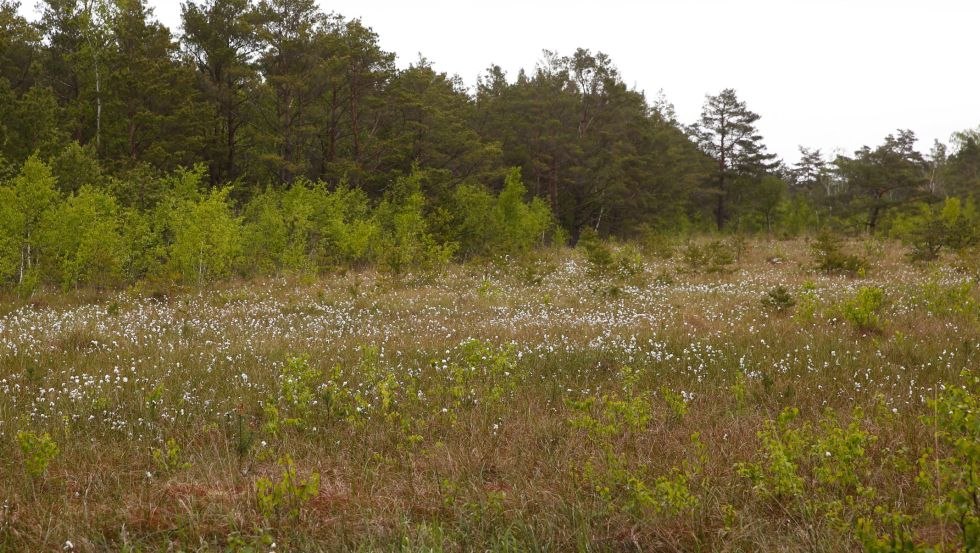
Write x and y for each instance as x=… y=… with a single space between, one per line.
x=822 y=73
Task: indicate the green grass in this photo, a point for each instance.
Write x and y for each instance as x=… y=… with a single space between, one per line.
x=478 y=409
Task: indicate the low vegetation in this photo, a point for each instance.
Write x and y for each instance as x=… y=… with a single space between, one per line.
x=770 y=406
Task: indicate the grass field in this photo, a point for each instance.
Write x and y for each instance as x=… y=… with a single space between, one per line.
x=517 y=406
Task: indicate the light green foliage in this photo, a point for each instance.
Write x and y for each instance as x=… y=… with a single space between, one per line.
x=782 y=447
x=841 y=453
x=83 y=239
x=298 y=393
x=169 y=458
x=283 y=499
x=897 y=539
x=607 y=421
x=806 y=308
x=405 y=241
x=950 y=472
x=814 y=471
x=948 y=476
x=501 y=225
x=675 y=401
x=265 y=234
x=521 y=224
x=864 y=309
x=206 y=238
x=954 y=299
x=38 y=450
x=952 y=224
x=308 y=228
x=30 y=197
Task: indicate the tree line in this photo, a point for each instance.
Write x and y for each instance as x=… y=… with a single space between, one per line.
x=274 y=112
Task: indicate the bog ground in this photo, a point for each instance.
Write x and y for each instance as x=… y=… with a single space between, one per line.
x=533 y=404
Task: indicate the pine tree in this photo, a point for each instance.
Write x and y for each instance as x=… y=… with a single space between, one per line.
x=726 y=132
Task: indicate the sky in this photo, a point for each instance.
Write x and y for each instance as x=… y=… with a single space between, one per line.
x=828 y=74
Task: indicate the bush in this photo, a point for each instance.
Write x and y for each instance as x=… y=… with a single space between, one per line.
x=501 y=225
x=84 y=241
x=778 y=299
x=206 y=238
x=24 y=209
x=929 y=229
x=405 y=240
x=832 y=260
x=713 y=257
x=598 y=254
x=38 y=451
x=863 y=309
x=308 y=228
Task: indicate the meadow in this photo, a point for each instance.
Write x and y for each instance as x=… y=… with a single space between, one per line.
x=609 y=400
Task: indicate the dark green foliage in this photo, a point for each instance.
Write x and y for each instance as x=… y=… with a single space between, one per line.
x=727 y=134
x=831 y=259
x=712 y=257
x=301 y=130
x=953 y=224
x=778 y=299
x=888 y=176
x=598 y=254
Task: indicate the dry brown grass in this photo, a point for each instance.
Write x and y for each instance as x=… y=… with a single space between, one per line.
x=111 y=378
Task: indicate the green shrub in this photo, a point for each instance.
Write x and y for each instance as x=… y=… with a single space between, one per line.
x=598 y=254
x=950 y=472
x=283 y=499
x=38 y=451
x=778 y=299
x=712 y=258
x=169 y=459
x=864 y=308
x=84 y=241
x=484 y=224
x=929 y=228
x=405 y=241
x=830 y=258
x=25 y=208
